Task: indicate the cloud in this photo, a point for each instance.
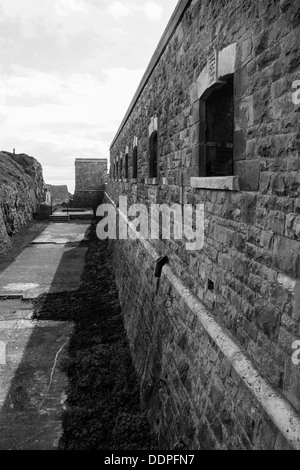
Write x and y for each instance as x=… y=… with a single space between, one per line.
x=120 y=10
x=80 y=99
x=3 y=87
x=31 y=9
x=153 y=11
x=118 y=31
x=38 y=18
x=65 y=7
x=68 y=71
x=60 y=120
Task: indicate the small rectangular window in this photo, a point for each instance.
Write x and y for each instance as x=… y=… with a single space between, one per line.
x=126 y=166
x=153 y=151
x=135 y=164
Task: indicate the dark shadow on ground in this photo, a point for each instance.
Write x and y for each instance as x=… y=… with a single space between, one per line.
x=102 y=407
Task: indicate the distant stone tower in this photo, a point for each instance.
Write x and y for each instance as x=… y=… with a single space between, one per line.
x=90 y=176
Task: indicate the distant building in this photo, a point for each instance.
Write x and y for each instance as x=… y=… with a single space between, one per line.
x=59 y=194
x=91 y=175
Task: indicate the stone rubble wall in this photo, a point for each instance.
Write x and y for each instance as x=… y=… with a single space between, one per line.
x=59 y=194
x=21 y=193
x=252 y=236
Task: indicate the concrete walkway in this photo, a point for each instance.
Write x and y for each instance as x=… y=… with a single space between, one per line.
x=53 y=262
x=32 y=386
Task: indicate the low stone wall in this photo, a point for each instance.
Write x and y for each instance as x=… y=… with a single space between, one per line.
x=88 y=199
x=59 y=194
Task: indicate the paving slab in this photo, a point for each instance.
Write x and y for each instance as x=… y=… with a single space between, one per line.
x=32 y=385
x=16 y=309
x=43 y=269
x=62 y=233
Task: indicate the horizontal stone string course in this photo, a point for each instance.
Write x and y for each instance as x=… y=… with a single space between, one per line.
x=278 y=409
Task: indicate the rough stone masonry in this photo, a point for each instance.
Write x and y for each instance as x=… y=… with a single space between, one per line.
x=90 y=176
x=213 y=122
x=21 y=193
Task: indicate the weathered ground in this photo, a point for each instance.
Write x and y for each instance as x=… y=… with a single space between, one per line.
x=101 y=401
x=53 y=262
x=24 y=236
x=103 y=406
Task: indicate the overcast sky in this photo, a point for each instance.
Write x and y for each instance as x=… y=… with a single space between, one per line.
x=68 y=71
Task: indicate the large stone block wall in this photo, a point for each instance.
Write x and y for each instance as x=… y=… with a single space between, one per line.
x=252 y=238
x=195 y=398
x=90 y=177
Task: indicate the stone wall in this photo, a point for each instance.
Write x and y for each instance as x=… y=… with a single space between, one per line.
x=90 y=177
x=59 y=194
x=21 y=192
x=247 y=274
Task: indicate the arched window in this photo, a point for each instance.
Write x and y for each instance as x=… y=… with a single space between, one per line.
x=217 y=131
x=135 y=163
x=126 y=166
x=153 y=154
x=117 y=170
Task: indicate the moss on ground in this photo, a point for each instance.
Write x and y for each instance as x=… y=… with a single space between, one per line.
x=103 y=405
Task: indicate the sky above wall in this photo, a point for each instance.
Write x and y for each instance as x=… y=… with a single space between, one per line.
x=68 y=72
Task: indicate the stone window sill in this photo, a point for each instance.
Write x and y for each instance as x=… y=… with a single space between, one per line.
x=222 y=183
x=153 y=181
